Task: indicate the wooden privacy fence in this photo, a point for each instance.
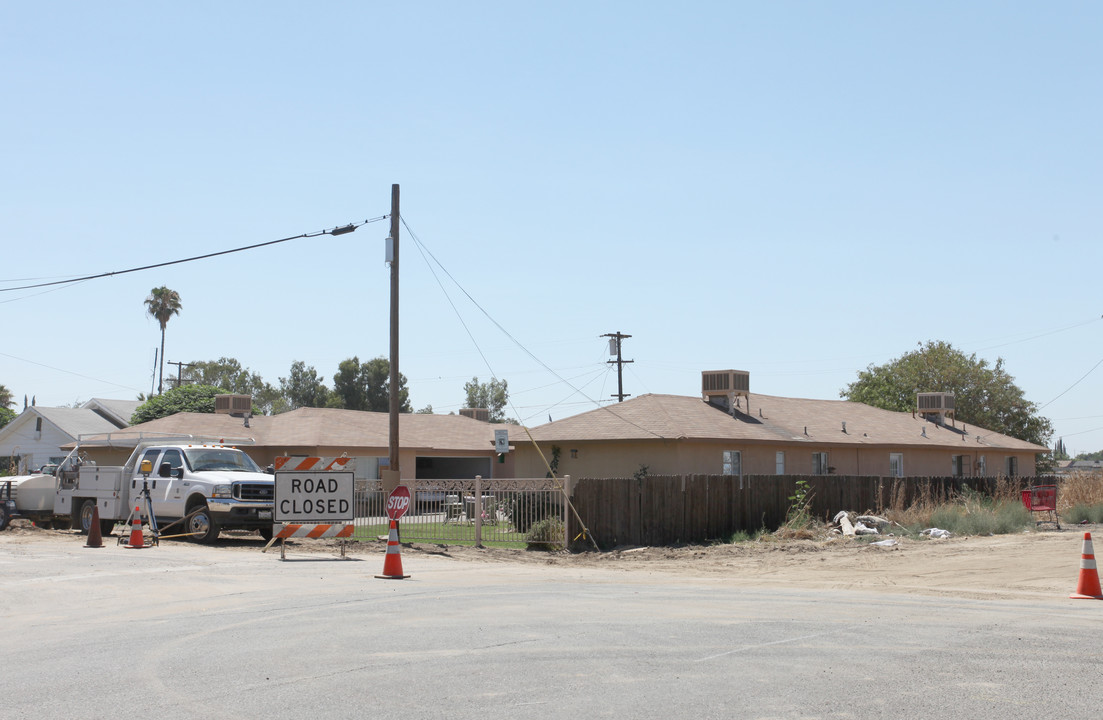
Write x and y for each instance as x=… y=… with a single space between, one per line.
x=698 y=508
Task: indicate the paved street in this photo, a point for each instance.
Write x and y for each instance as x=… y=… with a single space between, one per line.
x=233 y=633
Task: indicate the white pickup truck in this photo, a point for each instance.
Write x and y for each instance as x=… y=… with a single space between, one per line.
x=209 y=487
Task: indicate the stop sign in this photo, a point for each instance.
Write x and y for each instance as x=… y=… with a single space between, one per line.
x=398 y=502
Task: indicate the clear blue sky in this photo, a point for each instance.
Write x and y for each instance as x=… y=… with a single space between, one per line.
x=793 y=189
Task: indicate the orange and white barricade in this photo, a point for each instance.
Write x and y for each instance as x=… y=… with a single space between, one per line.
x=291 y=521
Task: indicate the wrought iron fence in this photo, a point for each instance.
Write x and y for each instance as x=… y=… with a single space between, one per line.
x=504 y=512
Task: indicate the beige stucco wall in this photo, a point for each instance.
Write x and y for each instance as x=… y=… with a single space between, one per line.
x=688 y=457
x=264 y=456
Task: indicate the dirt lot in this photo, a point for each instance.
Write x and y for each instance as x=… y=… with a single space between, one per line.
x=1032 y=565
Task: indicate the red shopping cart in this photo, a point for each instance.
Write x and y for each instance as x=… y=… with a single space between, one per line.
x=1042 y=499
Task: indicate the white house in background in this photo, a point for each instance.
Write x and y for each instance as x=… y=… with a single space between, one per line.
x=34 y=438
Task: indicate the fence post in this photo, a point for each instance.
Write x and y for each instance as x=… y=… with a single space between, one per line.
x=568 y=491
x=478 y=510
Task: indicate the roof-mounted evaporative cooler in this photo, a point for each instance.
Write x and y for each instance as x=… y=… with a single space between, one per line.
x=722 y=388
x=233 y=404
x=935 y=406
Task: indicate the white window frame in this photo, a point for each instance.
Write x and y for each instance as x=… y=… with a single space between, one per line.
x=779 y=462
x=982 y=467
x=896 y=464
x=957 y=466
x=819 y=463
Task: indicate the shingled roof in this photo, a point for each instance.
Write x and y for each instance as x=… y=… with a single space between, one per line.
x=327 y=427
x=768 y=419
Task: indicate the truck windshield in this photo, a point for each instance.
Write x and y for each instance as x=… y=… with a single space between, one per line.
x=219 y=459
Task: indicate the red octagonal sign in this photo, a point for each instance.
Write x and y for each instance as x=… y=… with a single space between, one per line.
x=398 y=502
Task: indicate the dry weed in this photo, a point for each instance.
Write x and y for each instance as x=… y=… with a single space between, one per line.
x=1080 y=488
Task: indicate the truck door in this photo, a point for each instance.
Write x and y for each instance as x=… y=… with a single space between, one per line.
x=136 y=481
x=167 y=502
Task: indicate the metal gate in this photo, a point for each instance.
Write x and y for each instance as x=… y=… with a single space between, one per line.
x=512 y=512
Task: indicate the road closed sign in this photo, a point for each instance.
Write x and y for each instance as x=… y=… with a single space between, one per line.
x=314 y=497
x=398 y=502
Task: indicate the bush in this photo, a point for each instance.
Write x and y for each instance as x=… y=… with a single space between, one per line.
x=742 y=536
x=546 y=534
x=974 y=518
x=1082 y=512
x=528 y=508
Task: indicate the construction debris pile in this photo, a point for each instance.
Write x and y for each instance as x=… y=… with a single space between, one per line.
x=851 y=524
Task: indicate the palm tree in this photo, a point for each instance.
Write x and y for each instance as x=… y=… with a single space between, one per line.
x=5 y=397
x=162 y=304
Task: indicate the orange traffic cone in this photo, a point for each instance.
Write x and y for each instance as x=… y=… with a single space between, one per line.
x=95 y=537
x=392 y=564
x=1088 y=586
x=136 y=540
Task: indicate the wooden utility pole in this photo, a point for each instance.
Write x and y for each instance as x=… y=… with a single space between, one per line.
x=615 y=341
x=179 y=370
x=393 y=476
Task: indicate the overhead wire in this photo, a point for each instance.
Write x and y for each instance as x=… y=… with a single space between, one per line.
x=68 y=372
x=426 y=253
x=57 y=284
x=1070 y=387
x=547 y=464
x=339 y=230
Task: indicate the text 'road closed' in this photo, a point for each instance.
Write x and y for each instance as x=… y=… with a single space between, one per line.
x=322 y=497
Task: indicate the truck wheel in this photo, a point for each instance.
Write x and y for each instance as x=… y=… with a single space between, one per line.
x=265 y=532
x=84 y=524
x=107 y=527
x=200 y=525
x=3 y=517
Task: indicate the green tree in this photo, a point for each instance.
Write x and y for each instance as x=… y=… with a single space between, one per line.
x=303 y=387
x=6 y=399
x=186 y=398
x=985 y=395
x=366 y=386
x=228 y=373
x=493 y=396
x=1059 y=451
x=162 y=304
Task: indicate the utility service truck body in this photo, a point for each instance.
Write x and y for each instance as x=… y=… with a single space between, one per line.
x=195 y=488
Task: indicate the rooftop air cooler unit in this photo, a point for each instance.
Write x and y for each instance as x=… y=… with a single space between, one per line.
x=480 y=414
x=233 y=404
x=722 y=387
x=940 y=405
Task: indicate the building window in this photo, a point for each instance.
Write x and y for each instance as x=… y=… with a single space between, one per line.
x=957 y=468
x=819 y=463
x=733 y=463
x=982 y=467
x=779 y=462
x=1012 y=467
x=896 y=464
x=38 y=424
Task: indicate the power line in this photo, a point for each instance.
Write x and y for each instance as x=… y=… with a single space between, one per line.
x=341 y=230
x=69 y=372
x=426 y=252
x=1070 y=387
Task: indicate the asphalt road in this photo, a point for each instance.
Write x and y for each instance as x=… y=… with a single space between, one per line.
x=195 y=632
